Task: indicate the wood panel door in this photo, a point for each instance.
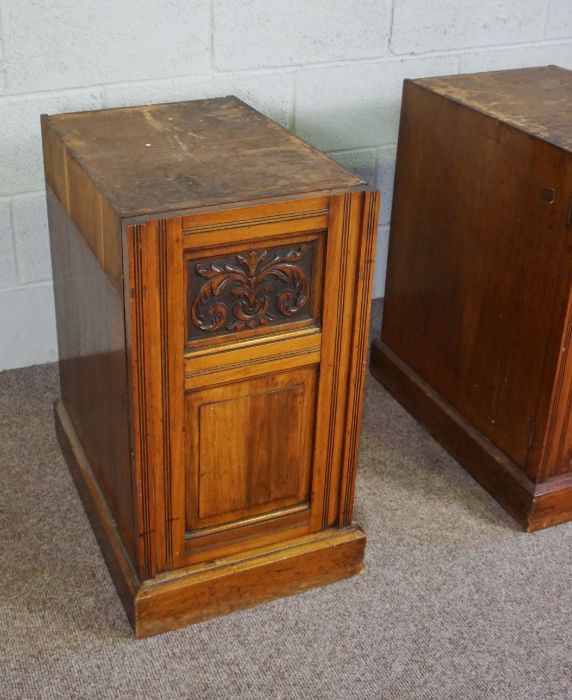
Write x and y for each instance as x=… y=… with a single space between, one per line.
x=256 y=342
x=249 y=459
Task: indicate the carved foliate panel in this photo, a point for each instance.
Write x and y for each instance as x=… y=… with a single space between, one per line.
x=249 y=290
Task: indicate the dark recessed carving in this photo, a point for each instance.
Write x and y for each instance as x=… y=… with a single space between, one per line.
x=250 y=289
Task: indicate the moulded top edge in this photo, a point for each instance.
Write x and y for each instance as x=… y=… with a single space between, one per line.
x=185 y=155
x=536 y=100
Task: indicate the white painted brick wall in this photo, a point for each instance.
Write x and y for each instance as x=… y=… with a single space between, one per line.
x=263 y=33
x=329 y=69
x=420 y=26
x=8 y=275
x=357 y=105
x=30 y=226
x=559 y=19
x=21 y=167
x=52 y=44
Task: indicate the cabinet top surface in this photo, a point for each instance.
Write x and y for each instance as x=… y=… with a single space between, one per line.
x=185 y=155
x=535 y=100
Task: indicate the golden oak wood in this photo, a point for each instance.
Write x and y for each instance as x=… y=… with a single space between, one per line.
x=212 y=326
x=478 y=312
x=272 y=464
x=199 y=592
x=241 y=582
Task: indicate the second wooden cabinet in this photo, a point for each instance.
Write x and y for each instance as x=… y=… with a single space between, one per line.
x=478 y=305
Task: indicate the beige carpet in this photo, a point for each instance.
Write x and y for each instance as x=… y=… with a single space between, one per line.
x=455 y=601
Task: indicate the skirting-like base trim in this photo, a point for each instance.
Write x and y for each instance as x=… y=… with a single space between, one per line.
x=534 y=506
x=197 y=593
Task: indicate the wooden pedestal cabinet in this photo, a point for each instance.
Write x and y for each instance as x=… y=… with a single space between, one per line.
x=212 y=280
x=478 y=309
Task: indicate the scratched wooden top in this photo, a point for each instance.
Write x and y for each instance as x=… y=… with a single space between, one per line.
x=536 y=100
x=185 y=155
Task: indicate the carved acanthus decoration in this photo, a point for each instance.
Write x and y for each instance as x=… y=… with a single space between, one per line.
x=255 y=291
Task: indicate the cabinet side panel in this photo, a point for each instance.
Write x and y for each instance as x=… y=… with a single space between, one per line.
x=92 y=362
x=476 y=285
x=556 y=443
x=154 y=295
x=557 y=452
x=350 y=251
x=95 y=219
x=54 y=162
x=365 y=257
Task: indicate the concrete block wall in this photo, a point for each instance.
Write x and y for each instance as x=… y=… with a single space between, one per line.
x=331 y=70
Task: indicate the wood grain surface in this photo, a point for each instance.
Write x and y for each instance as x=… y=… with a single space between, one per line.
x=479 y=276
x=537 y=101
x=213 y=277
x=157 y=158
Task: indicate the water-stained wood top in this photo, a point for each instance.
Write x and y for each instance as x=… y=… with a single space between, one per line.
x=536 y=100
x=185 y=155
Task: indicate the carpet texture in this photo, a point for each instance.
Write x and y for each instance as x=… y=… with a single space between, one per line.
x=455 y=601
